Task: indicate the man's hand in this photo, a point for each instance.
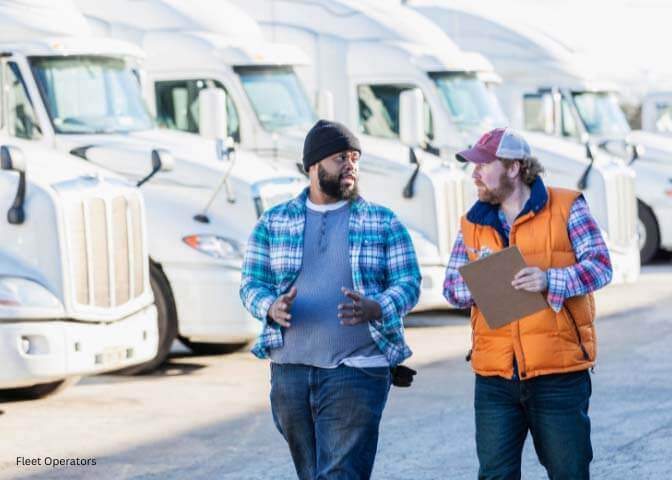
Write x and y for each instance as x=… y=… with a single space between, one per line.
x=279 y=311
x=531 y=279
x=362 y=309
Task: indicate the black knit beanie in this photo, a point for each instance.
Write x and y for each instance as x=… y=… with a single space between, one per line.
x=327 y=138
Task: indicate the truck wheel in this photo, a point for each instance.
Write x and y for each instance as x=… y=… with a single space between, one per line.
x=201 y=348
x=40 y=390
x=167 y=322
x=647 y=229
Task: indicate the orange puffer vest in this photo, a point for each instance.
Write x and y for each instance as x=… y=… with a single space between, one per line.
x=545 y=342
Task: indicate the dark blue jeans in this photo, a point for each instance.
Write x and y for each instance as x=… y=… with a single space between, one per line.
x=554 y=408
x=329 y=417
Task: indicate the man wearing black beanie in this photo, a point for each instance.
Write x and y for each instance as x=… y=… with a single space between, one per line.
x=330 y=276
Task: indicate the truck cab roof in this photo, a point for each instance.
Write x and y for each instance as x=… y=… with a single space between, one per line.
x=511 y=43
x=58 y=46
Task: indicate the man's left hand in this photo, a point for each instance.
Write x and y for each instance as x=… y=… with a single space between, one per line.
x=531 y=279
x=362 y=309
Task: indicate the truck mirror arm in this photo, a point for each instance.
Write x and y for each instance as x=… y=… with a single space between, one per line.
x=583 y=180
x=158 y=163
x=230 y=197
x=16 y=215
x=155 y=170
x=81 y=151
x=409 y=189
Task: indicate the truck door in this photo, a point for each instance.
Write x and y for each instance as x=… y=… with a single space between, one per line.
x=378 y=110
x=177 y=105
x=19 y=117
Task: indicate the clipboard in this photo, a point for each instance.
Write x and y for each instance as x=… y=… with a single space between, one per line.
x=489 y=281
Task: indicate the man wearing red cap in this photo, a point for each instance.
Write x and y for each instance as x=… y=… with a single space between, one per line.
x=532 y=374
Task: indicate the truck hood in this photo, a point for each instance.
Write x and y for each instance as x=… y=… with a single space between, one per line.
x=196 y=160
x=49 y=167
x=657 y=148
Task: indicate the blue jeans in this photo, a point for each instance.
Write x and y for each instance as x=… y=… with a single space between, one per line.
x=554 y=408
x=329 y=417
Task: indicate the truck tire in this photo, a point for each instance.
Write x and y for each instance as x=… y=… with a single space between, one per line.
x=167 y=322
x=41 y=390
x=202 y=348
x=649 y=236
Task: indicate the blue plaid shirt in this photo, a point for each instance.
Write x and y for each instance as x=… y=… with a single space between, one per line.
x=383 y=261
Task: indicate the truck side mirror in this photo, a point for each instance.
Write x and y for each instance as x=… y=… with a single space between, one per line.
x=212 y=116
x=538 y=113
x=411 y=118
x=636 y=150
x=325 y=104
x=162 y=161
x=12 y=159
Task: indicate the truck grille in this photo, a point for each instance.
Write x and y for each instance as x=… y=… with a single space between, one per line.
x=105 y=239
x=458 y=198
x=623 y=225
x=268 y=194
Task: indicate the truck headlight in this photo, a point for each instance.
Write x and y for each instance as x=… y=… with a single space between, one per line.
x=215 y=246
x=17 y=292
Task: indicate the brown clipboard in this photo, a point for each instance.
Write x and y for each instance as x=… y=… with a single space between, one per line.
x=489 y=281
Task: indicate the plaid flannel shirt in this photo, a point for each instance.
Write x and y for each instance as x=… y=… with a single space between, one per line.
x=383 y=261
x=591 y=272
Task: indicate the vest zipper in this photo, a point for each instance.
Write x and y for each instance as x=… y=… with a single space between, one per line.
x=521 y=366
x=578 y=335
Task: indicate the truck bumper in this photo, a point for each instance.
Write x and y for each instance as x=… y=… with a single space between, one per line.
x=209 y=308
x=33 y=352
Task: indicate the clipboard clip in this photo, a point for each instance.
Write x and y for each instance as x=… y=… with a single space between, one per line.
x=482 y=253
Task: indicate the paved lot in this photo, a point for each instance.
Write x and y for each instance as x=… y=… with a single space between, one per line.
x=208 y=417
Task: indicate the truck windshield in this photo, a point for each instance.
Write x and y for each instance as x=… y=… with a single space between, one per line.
x=277 y=97
x=601 y=113
x=468 y=100
x=90 y=94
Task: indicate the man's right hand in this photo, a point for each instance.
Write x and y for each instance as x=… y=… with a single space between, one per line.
x=279 y=311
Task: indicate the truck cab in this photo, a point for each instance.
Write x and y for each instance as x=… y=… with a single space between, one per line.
x=552 y=89
x=369 y=53
x=75 y=297
x=196 y=46
x=83 y=95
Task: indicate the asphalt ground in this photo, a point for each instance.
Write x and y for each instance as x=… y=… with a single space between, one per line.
x=208 y=417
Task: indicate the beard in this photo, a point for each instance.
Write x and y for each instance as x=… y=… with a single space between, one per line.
x=496 y=196
x=331 y=185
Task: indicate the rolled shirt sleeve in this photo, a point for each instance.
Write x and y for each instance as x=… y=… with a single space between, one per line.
x=454 y=287
x=593 y=269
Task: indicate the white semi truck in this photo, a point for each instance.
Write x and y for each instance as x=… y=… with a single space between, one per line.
x=74 y=273
x=193 y=45
x=550 y=88
x=367 y=53
x=83 y=96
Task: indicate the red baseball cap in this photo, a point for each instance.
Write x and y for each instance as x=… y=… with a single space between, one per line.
x=497 y=143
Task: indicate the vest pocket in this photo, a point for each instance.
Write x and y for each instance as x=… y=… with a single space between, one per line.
x=473 y=339
x=577 y=332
